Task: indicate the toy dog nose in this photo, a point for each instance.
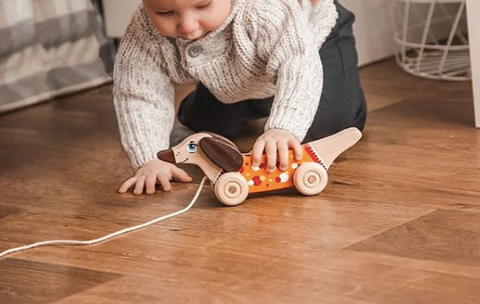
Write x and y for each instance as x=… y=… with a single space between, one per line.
x=166 y=155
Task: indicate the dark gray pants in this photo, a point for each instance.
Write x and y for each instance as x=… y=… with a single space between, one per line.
x=342 y=103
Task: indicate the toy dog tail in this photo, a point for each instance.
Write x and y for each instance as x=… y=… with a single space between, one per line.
x=329 y=148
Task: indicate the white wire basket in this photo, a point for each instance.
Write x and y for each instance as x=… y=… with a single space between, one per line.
x=431 y=38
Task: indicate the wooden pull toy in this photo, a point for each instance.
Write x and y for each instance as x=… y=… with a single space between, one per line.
x=233 y=177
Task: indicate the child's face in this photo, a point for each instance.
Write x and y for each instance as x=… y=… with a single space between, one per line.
x=189 y=19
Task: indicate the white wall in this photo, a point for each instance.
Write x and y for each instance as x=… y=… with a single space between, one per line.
x=373 y=28
x=473 y=10
x=118 y=14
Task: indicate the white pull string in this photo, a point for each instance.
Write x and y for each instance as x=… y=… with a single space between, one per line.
x=111 y=235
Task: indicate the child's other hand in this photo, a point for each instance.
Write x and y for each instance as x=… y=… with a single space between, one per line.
x=275 y=142
x=151 y=173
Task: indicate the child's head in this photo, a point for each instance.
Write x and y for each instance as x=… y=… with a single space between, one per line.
x=189 y=19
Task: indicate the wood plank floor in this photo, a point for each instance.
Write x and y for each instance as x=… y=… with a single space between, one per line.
x=398 y=223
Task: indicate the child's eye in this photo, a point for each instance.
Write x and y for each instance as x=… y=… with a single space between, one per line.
x=205 y=6
x=192 y=147
x=164 y=14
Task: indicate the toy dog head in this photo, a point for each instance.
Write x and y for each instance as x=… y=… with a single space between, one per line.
x=198 y=147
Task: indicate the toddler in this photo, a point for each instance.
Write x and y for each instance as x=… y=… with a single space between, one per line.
x=291 y=60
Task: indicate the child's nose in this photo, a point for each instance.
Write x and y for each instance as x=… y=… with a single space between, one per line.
x=188 y=25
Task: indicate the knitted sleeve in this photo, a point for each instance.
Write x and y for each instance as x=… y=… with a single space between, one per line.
x=285 y=42
x=143 y=94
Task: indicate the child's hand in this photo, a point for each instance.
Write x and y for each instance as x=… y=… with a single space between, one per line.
x=151 y=173
x=275 y=142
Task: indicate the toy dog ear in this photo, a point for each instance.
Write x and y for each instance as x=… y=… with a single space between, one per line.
x=224 y=139
x=222 y=153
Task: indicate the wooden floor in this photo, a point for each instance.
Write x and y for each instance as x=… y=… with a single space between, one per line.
x=399 y=221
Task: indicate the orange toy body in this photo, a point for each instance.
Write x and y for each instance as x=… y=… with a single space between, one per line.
x=260 y=180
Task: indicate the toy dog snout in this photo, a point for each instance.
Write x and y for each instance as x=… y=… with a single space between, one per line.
x=167 y=156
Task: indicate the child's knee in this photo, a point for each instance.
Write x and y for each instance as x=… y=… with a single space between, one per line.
x=331 y=122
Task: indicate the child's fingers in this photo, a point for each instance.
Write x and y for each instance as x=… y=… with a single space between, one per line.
x=139 y=185
x=282 y=148
x=165 y=182
x=127 y=184
x=271 y=153
x=151 y=181
x=181 y=175
x=257 y=152
x=297 y=148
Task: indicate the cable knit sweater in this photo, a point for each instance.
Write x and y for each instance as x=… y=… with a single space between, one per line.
x=265 y=48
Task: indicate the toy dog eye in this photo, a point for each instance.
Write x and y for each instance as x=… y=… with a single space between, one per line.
x=192 y=147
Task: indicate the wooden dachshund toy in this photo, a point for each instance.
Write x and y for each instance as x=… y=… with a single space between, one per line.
x=233 y=177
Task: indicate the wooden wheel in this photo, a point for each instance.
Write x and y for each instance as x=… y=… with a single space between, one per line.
x=310 y=178
x=231 y=188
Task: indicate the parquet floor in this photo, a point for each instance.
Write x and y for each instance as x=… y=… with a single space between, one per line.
x=399 y=221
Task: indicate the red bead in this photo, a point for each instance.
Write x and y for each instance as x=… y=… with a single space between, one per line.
x=257 y=181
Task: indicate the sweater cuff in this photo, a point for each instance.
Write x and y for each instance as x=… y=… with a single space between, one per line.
x=282 y=120
x=144 y=153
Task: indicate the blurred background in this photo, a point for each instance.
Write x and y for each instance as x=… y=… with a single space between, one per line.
x=50 y=48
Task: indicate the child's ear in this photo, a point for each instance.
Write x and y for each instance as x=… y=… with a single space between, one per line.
x=222 y=153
